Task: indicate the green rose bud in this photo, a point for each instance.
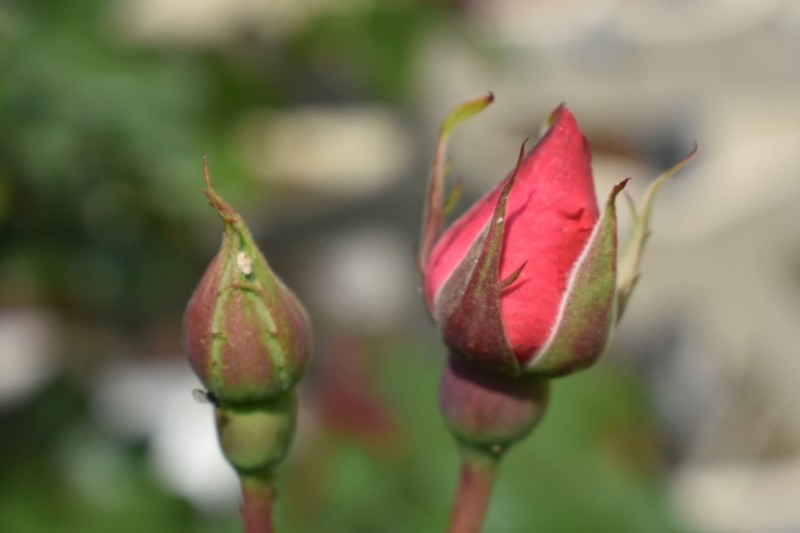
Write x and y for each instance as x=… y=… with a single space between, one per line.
x=246 y=335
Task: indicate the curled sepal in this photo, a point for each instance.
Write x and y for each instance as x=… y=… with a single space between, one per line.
x=468 y=307
x=246 y=335
x=433 y=217
x=631 y=257
x=586 y=315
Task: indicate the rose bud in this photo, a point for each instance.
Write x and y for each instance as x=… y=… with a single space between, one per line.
x=526 y=280
x=246 y=335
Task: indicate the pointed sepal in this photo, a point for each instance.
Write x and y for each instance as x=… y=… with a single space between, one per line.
x=630 y=259
x=586 y=315
x=468 y=308
x=435 y=209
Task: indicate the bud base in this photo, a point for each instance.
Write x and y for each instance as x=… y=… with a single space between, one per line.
x=489 y=412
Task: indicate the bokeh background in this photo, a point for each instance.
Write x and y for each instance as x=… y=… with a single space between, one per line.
x=319 y=119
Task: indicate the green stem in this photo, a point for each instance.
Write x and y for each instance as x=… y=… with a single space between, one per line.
x=258 y=496
x=474 y=491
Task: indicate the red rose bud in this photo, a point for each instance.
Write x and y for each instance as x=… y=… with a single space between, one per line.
x=247 y=336
x=525 y=281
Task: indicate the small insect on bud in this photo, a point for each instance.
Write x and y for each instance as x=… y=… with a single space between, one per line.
x=205 y=397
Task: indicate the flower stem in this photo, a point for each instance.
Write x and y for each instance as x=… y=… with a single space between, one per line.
x=474 y=491
x=258 y=496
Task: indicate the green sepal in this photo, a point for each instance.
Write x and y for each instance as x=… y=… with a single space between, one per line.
x=435 y=210
x=631 y=258
x=586 y=315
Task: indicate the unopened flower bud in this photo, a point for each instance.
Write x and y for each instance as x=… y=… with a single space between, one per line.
x=246 y=335
x=526 y=281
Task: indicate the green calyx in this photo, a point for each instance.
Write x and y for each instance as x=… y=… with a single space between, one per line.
x=255 y=439
x=488 y=412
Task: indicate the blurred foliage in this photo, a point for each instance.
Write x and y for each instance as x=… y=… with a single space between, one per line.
x=371 y=51
x=101 y=143
x=592 y=465
x=99 y=151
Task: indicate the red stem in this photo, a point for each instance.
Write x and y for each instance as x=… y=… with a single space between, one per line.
x=258 y=496
x=474 y=492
